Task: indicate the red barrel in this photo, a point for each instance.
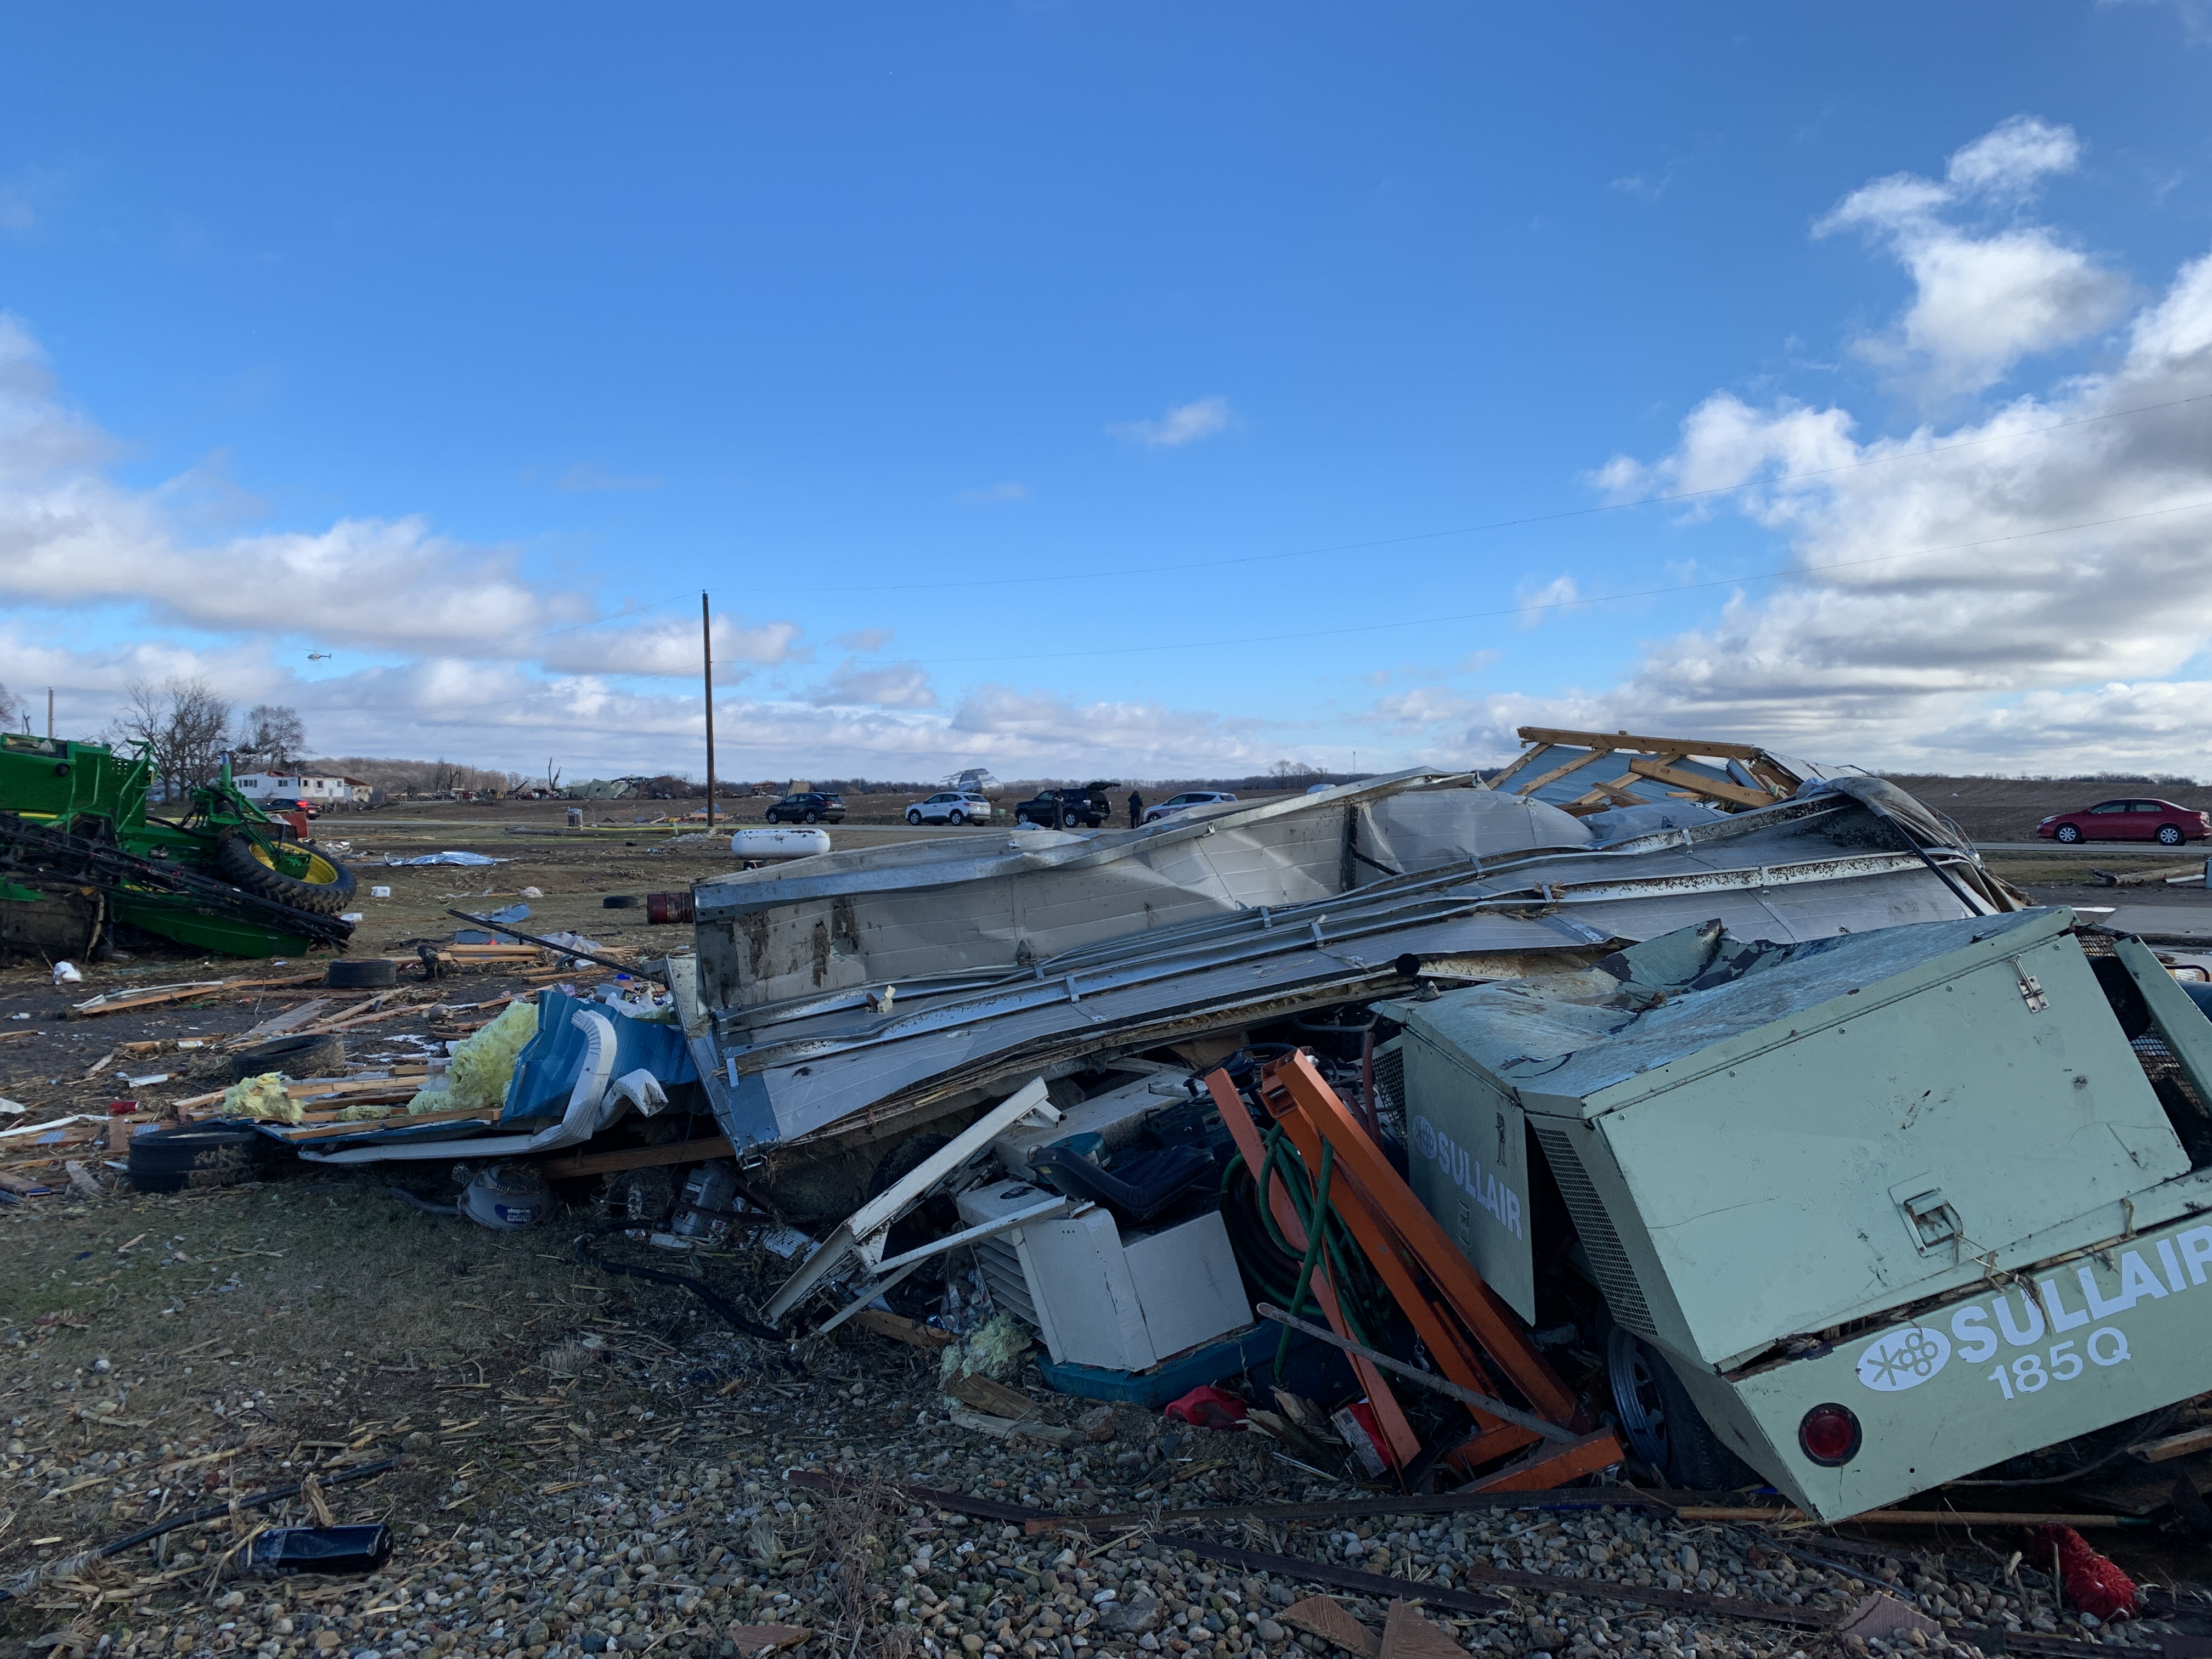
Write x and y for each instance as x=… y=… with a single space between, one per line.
x=668 y=906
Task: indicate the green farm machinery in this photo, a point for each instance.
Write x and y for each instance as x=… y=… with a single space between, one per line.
x=80 y=853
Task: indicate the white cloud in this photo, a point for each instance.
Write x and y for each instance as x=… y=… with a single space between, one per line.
x=1986 y=295
x=1184 y=424
x=2015 y=155
x=1148 y=739
x=1535 y=602
x=997 y=494
x=862 y=640
x=2078 y=578
x=894 y=685
x=72 y=537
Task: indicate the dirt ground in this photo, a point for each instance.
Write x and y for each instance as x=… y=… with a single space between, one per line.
x=586 y=1463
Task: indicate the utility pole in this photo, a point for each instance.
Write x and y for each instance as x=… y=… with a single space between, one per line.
x=50 y=713
x=707 y=654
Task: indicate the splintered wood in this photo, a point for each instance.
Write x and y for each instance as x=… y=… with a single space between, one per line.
x=1747 y=775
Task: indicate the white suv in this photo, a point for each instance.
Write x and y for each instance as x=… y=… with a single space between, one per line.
x=950 y=806
x=1189 y=797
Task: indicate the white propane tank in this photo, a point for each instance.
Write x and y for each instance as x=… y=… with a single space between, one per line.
x=780 y=843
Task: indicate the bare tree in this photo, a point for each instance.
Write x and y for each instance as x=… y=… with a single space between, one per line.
x=273 y=734
x=181 y=722
x=11 y=709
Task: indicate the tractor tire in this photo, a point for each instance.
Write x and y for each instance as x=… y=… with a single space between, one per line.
x=195 y=1156
x=327 y=889
x=295 y=1056
x=362 y=973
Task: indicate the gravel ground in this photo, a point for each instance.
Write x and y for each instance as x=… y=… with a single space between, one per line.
x=627 y=1493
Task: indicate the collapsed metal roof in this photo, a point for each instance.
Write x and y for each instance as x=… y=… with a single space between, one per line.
x=866 y=989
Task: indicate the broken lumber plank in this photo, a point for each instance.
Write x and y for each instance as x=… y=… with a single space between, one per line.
x=1330 y=1619
x=1715 y=788
x=1006 y=1428
x=2175 y=1445
x=638 y=1157
x=115 y=1002
x=1558 y=772
x=901 y=1330
x=397 y=1119
x=1898 y=1517
x=981 y=1391
x=1742 y=751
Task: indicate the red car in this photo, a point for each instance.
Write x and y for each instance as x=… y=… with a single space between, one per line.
x=2160 y=821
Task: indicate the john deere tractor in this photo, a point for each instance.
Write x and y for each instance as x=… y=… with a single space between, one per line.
x=80 y=853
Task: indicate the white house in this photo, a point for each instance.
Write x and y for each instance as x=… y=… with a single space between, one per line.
x=294 y=786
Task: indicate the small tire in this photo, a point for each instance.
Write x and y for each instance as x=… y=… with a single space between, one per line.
x=956 y=817
x=245 y=863
x=295 y=1056
x=620 y=902
x=812 y=818
x=913 y=815
x=365 y=974
x=195 y=1156
x=2169 y=835
x=1066 y=821
x=2067 y=833
x=1660 y=1422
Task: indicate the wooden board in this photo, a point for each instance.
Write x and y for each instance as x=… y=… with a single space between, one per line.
x=1742 y=751
x=638 y=1157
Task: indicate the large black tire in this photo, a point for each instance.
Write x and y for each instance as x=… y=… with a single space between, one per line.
x=295 y=1056
x=241 y=860
x=205 y=1155
x=621 y=901
x=362 y=973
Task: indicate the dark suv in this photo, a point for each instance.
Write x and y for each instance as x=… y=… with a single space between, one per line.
x=1063 y=809
x=812 y=807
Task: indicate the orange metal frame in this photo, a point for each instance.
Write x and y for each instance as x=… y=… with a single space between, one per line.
x=1457 y=1318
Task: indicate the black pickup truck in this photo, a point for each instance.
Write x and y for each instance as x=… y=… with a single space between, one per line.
x=1064 y=809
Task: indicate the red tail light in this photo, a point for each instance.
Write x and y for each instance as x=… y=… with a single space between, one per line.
x=1830 y=1435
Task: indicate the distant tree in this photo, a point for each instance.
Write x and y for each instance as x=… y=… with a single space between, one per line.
x=11 y=709
x=273 y=734
x=181 y=723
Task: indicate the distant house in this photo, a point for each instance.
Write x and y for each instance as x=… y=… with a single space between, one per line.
x=306 y=787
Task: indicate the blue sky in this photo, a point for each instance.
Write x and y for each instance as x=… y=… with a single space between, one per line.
x=1001 y=371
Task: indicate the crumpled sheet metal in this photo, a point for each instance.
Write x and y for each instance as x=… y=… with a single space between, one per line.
x=870 y=1051
x=882 y=914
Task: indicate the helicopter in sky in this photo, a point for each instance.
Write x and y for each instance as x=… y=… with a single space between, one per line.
x=319 y=656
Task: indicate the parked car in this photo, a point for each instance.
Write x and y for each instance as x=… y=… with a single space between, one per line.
x=1063 y=809
x=811 y=807
x=2160 y=821
x=1184 y=802
x=950 y=806
x=289 y=803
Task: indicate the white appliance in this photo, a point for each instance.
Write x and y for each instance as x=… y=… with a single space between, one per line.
x=1097 y=1299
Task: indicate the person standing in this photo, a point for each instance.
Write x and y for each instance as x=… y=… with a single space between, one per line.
x=1136 y=808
